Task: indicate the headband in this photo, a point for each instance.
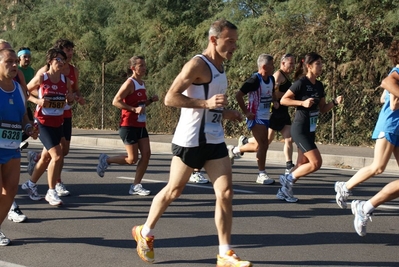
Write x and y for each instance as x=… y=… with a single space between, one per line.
x=23 y=52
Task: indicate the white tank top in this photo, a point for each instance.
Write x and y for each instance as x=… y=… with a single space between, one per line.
x=202 y=126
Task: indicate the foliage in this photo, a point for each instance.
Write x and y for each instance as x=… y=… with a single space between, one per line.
x=351 y=35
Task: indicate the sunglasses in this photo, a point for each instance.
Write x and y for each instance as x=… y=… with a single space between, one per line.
x=59 y=60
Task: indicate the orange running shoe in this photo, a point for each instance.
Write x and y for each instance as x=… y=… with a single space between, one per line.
x=145 y=245
x=231 y=260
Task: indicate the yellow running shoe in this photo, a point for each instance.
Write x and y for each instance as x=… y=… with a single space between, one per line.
x=231 y=260
x=145 y=246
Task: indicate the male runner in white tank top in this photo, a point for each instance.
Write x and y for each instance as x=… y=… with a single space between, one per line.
x=199 y=90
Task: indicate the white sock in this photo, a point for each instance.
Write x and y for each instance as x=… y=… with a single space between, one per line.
x=345 y=188
x=31 y=184
x=223 y=249
x=262 y=172
x=368 y=208
x=14 y=205
x=291 y=177
x=51 y=191
x=236 y=150
x=146 y=231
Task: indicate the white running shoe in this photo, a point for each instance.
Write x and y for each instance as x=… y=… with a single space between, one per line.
x=32 y=191
x=360 y=221
x=232 y=155
x=242 y=140
x=342 y=195
x=263 y=178
x=61 y=190
x=102 y=164
x=23 y=145
x=31 y=155
x=138 y=189
x=52 y=198
x=4 y=241
x=16 y=215
x=197 y=177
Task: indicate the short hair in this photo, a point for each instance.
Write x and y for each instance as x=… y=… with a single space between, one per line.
x=2 y=51
x=219 y=25
x=263 y=59
x=133 y=60
x=63 y=43
x=4 y=42
x=285 y=56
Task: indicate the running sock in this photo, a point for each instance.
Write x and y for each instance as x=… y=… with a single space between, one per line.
x=146 y=231
x=14 y=205
x=31 y=184
x=368 y=208
x=236 y=150
x=345 y=188
x=223 y=249
x=262 y=172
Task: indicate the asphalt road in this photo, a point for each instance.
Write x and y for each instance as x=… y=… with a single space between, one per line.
x=93 y=227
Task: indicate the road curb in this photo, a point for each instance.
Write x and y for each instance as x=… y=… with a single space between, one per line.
x=273 y=156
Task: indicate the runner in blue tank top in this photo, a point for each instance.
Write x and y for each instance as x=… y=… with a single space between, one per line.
x=363 y=209
x=13 y=119
x=386 y=134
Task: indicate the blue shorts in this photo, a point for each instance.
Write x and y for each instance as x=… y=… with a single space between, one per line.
x=391 y=138
x=7 y=154
x=251 y=123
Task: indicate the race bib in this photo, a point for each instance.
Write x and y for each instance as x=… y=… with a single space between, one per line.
x=142 y=117
x=264 y=108
x=313 y=120
x=213 y=122
x=10 y=134
x=54 y=106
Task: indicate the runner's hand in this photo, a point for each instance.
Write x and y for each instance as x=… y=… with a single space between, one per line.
x=216 y=101
x=308 y=103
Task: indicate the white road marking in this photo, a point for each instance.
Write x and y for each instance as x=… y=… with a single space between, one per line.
x=192 y=185
x=381 y=207
x=9 y=264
